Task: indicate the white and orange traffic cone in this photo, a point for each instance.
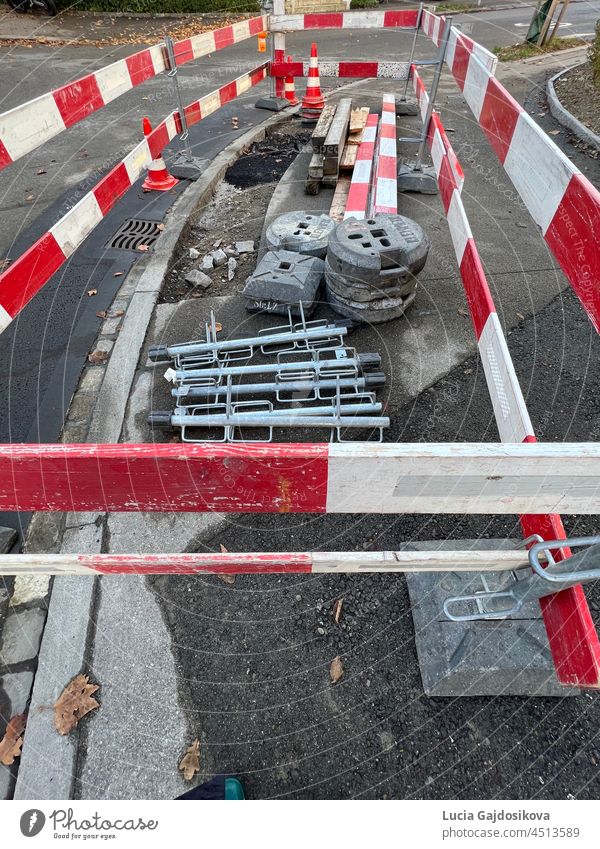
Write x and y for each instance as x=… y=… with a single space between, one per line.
x=312 y=102
x=290 y=88
x=158 y=178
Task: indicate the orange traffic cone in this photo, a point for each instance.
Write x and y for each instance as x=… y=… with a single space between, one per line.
x=312 y=102
x=290 y=88
x=158 y=178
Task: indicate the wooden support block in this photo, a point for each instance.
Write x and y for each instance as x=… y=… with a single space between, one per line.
x=329 y=181
x=338 y=130
x=315 y=167
x=348 y=159
x=312 y=187
x=358 y=119
x=331 y=166
x=340 y=198
x=320 y=131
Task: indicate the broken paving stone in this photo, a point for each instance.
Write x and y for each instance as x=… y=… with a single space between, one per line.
x=231 y=251
x=246 y=247
x=194 y=254
x=198 y=279
x=231 y=267
x=208 y=263
x=219 y=257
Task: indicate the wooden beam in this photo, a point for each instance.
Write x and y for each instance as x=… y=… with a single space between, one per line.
x=322 y=128
x=340 y=198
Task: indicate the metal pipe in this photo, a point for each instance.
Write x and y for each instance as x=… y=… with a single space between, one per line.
x=412 y=50
x=180 y=418
x=161 y=352
x=368 y=381
x=343 y=365
x=436 y=81
x=173 y=73
x=289 y=420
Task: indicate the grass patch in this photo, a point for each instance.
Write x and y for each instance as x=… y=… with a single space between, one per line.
x=526 y=51
x=364 y=4
x=455 y=7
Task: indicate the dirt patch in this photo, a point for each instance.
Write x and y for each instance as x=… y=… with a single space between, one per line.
x=235 y=214
x=578 y=93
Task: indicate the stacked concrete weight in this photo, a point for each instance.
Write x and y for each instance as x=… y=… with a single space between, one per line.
x=292 y=270
x=304 y=232
x=371 y=267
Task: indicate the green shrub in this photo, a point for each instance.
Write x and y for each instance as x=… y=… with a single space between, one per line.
x=364 y=4
x=594 y=55
x=155 y=6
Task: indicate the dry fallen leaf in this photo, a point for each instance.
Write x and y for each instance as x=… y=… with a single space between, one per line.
x=462 y=311
x=218 y=327
x=553 y=132
x=336 y=670
x=97 y=357
x=10 y=745
x=227 y=579
x=160 y=226
x=74 y=702
x=29 y=198
x=118 y=274
x=118 y=313
x=190 y=763
x=337 y=610
x=41 y=171
x=92 y=292
x=520 y=316
x=143 y=248
x=4 y=263
x=101 y=314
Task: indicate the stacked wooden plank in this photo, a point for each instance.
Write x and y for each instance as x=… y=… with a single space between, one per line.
x=328 y=144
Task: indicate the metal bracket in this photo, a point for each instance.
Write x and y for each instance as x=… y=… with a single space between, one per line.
x=554 y=577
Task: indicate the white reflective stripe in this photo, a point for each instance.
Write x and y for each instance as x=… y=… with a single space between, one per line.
x=438 y=151
x=25 y=127
x=539 y=170
x=279 y=41
x=5 y=319
x=362 y=171
x=78 y=223
x=360 y=20
x=136 y=161
x=435 y=35
x=171 y=126
x=241 y=31
x=386 y=193
x=449 y=57
x=423 y=104
x=455 y=478
x=113 y=80
x=400 y=561
x=458 y=224
x=203 y=44
x=387 y=147
x=510 y=412
x=158 y=58
x=210 y=103
x=242 y=84
x=286 y=23
x=369 y=134
x=476 y=82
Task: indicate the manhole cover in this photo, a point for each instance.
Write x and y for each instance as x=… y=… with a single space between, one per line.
x=133 y=233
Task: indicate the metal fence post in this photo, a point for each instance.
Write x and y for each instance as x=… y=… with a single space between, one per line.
x=412 y=49
x=432 y=95
x=184 y=165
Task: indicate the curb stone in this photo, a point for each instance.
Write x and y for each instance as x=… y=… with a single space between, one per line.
x=564 y=117
x=49 y=761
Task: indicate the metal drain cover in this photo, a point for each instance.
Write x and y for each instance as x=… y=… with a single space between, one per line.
x=135 y=232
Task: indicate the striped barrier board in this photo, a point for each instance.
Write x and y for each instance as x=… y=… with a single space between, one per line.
x=28 y=126
x=404 y=19
x=560 y=199
x=433 y=27
x=263 y=563
x=358 y=197
x=24 y=278
x=343 y=70
x=386 y=180
x=470 y=478
x=571 y=633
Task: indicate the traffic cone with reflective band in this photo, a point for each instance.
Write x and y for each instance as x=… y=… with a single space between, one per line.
x=312 y=102
x=158 y=178
x=290 y=88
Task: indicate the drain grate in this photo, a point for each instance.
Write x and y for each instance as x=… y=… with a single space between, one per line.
x=134 y=233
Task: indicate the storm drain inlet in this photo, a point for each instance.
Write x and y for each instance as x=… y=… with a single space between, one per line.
x=134 y=233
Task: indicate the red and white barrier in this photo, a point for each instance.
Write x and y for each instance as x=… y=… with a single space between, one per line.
x=560 y=199
x=358 y=197
x=406 y=19
x=471 y=478
x=24 y=278
x=571 y=633
x=386 y=181
x=28 y=126
x=344 y=70
x=440 y=145
x=263 y=563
